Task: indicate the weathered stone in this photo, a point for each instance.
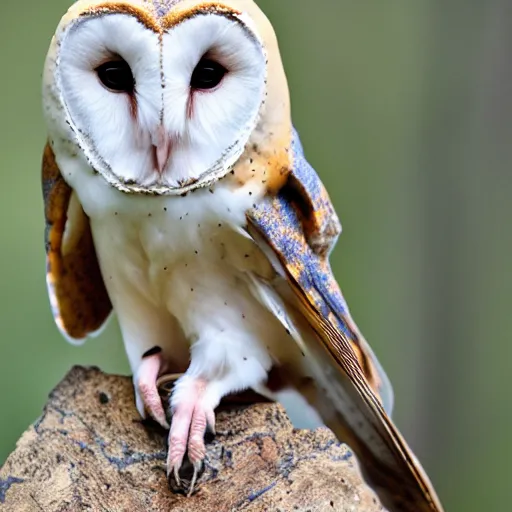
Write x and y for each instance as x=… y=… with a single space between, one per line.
x=90 y=451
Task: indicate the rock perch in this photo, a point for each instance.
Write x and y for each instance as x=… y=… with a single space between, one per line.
x=90 y=451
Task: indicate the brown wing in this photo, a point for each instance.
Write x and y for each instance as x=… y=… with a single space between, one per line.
x=339 y=374
x=304 y=228
x=385 y=458
x=78 y=297
x=338 y=388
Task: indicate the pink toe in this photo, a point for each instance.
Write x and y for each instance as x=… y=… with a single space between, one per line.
x=146 y=385
x=178 y=435
x=189 y=422
x=196 y=447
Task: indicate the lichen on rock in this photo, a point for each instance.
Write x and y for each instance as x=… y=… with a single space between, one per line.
x=91 y=451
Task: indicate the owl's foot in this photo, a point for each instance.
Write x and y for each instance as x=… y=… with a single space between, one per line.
x=192 y=414
x=147 y=397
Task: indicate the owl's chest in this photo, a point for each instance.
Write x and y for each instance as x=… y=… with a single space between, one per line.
x=176 y=251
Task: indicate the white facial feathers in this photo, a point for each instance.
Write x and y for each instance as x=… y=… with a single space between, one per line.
x=208 y=122
x=165 y=134
x=105 y=120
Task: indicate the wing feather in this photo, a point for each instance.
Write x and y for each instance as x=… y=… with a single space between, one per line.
x=301 y=226
x=348 y=388
x=79 y=299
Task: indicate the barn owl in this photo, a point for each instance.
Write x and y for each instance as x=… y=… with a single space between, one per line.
x=177 y=195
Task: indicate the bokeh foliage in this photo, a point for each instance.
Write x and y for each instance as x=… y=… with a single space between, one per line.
x=405 y=110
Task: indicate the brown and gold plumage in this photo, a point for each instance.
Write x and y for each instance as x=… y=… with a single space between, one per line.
x=79 y=299
x=348 y=373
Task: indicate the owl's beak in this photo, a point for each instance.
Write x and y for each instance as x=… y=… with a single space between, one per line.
x=161 y=150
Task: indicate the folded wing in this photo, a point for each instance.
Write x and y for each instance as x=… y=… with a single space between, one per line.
x=296 y=229
x=79 y=299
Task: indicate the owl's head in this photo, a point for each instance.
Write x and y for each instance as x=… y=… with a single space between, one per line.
x=162 y=96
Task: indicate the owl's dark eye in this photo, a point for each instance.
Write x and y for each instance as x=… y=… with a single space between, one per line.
x=117 y=76
x=207 y=74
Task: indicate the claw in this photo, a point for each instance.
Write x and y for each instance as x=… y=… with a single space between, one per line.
x=197 y=469
x=177 y=474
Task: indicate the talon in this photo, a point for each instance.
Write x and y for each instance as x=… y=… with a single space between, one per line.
x=175 y=458
x=197 y=468
x=177 y=475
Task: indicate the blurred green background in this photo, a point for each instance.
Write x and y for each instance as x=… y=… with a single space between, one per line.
x=405 y=109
